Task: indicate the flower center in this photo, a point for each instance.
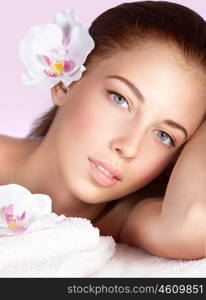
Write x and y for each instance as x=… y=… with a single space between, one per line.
x=57 y=67
x=13 y=225
x=13 y=222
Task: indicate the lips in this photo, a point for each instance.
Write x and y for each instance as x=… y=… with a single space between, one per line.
x=116 y=173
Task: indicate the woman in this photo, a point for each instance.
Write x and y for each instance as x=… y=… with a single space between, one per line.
x=110 y=134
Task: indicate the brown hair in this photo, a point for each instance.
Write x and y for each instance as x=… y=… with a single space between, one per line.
x=134 y=23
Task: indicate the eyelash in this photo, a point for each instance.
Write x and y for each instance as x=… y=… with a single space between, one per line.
x=172 y=142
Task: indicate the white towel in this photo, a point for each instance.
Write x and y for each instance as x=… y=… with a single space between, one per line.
x=71 y=248
x=74 y=248
x=130 y=261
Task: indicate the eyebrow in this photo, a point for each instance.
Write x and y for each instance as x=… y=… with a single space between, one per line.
x=135 y=90
x=139 y=96
x=176 y=125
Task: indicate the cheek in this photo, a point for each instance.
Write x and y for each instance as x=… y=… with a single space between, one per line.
x=156 y=167
x=150 y=164
x=85 y=123
x=91 y=119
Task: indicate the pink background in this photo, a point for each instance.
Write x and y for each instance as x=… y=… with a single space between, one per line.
x=20 y=105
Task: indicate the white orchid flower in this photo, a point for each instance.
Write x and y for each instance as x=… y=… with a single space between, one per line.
x=55 y=52
x=21 y=211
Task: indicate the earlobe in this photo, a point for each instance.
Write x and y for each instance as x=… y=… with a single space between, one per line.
x=59 y=94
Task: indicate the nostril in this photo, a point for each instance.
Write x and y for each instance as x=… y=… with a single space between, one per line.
x=118 y=150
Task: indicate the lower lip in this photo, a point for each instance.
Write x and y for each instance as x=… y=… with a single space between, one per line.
x=100 y=177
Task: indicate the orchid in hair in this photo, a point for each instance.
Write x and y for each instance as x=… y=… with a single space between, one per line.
x=54 y=53
x=21 y=211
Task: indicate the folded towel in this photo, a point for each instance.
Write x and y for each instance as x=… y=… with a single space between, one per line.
x=71 y=248
x=130 y=261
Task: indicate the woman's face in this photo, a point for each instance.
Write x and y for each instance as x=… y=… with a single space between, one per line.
x=133 y=112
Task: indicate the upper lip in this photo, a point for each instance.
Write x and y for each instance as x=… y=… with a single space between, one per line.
x=108 y=167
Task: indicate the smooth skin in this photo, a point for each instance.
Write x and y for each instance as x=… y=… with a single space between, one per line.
x=174 y=226
x=102 y=117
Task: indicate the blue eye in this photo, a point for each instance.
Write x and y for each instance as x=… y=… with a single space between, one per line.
x=118 y=99
x=165 y=138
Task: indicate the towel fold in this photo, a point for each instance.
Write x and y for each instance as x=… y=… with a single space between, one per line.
x=71 y=248
x=130 y=261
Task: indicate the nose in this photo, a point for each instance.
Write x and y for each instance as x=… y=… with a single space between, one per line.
x=127 y=147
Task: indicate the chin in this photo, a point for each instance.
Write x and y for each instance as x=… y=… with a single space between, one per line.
x=88 y=193
x=83 y=187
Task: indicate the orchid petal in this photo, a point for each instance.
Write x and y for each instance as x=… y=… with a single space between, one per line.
x=67 y=79
x=45 y=221
x=21 y=211
x=39 y=40
x=47 y=59
x=22 y=216
x=9 y=209
x=16 y=194
x=41 y=83
x=80 y=45
x=54 y=53
x=68 y=65
x=41 y=205
x=66 y=20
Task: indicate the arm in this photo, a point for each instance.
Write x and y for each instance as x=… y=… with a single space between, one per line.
x=174 y=226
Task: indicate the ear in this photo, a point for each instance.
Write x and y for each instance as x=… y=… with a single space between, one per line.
x=59 y=94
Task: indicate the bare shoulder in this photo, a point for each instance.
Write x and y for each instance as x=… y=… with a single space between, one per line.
x=9 y=151
x=3 y=140
x=7 y=141
x=12 y=151
x=10 y=145
x=6 y=146
x=116 y=213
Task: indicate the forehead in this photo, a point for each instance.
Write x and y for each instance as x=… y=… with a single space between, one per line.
x=169 y=84
x=161 y=59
